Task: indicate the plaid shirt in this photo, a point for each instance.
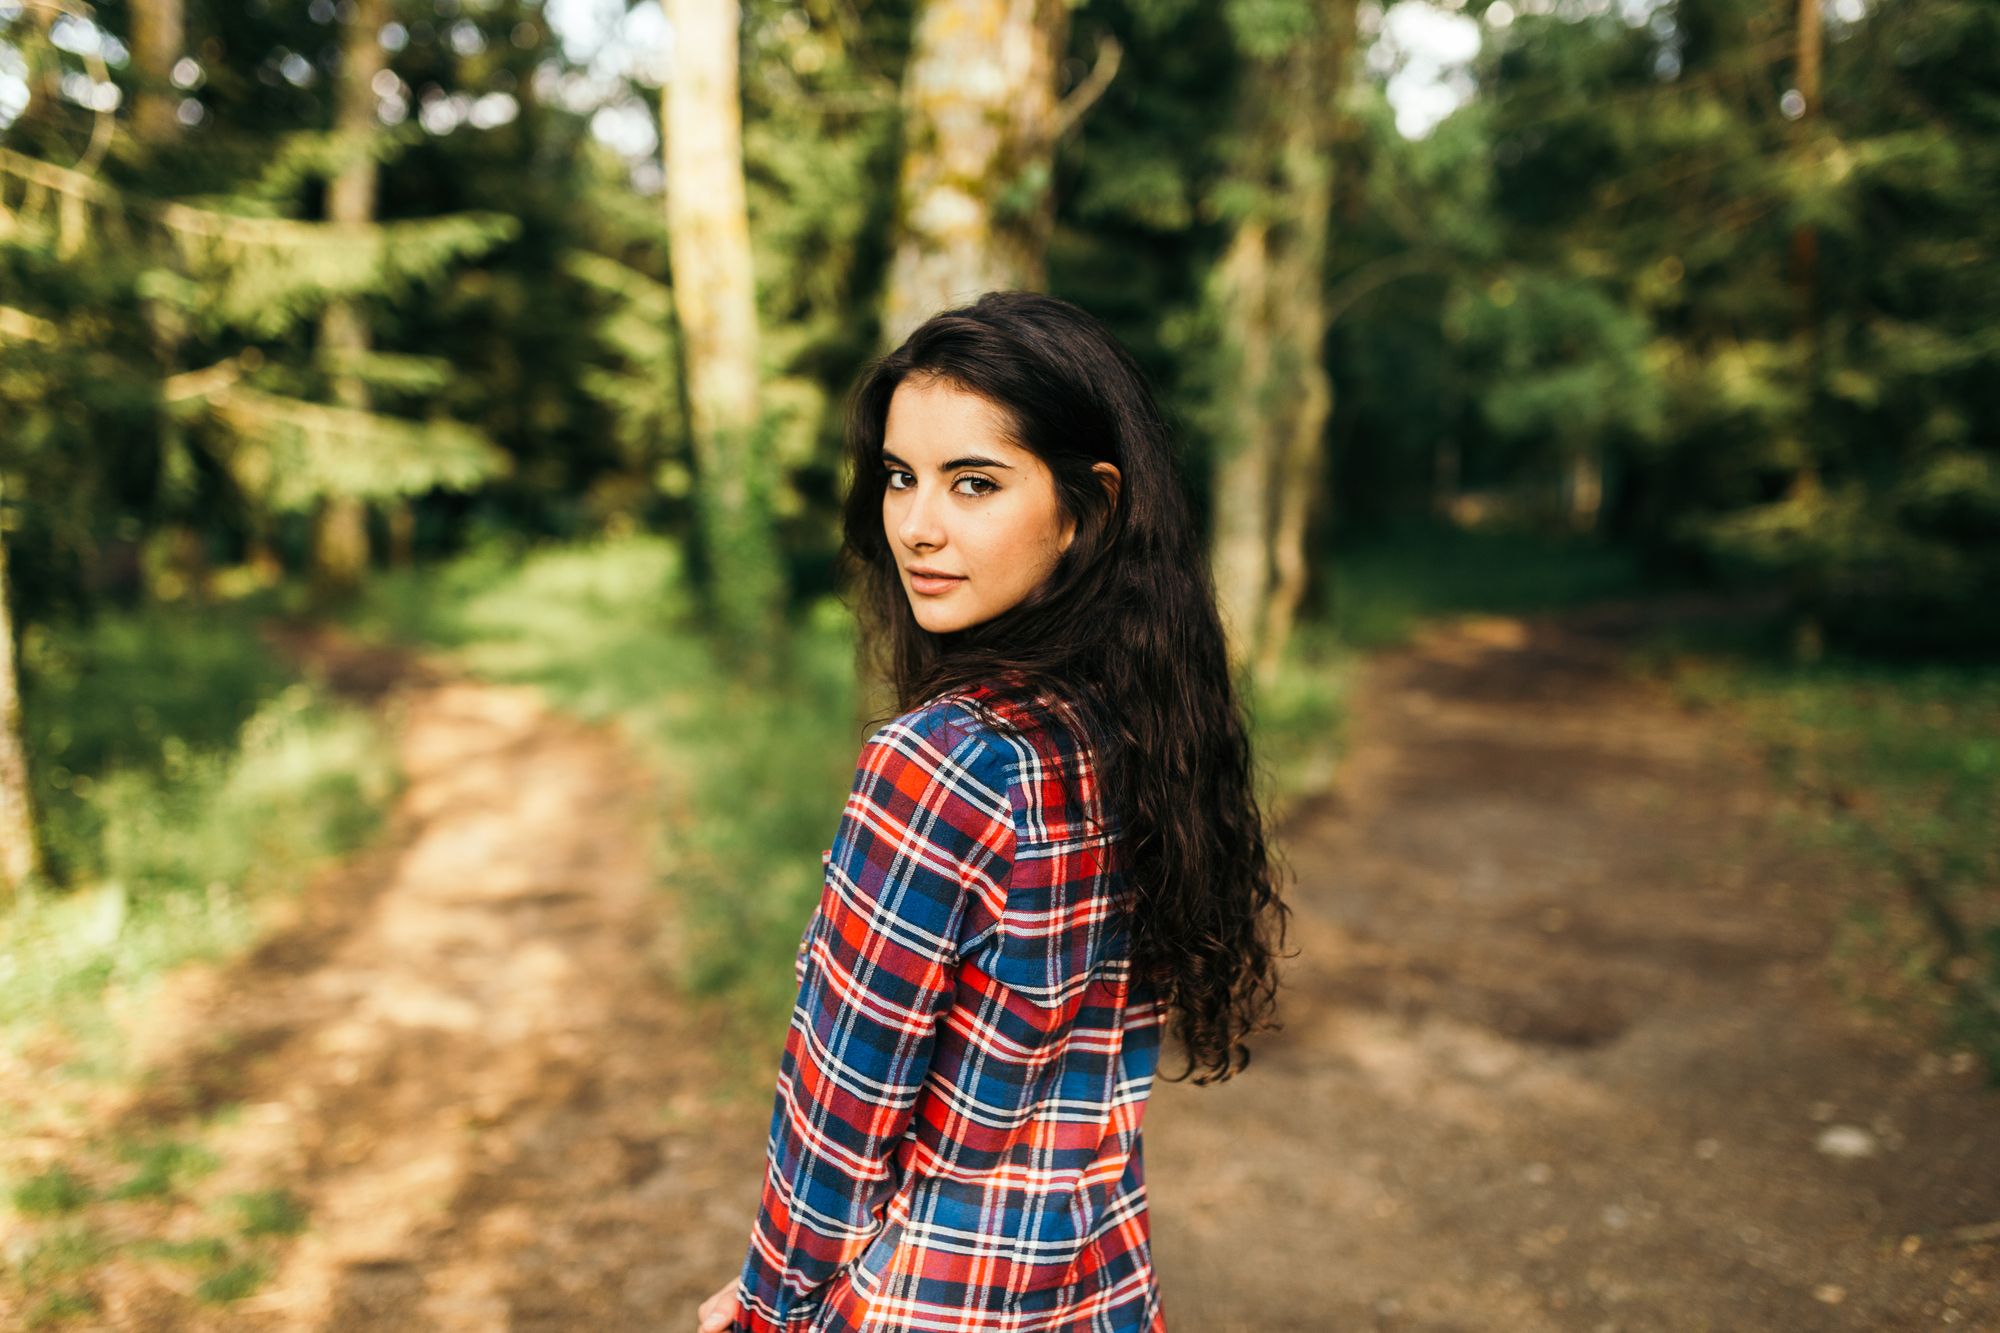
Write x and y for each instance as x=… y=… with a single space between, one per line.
x=956 y=1140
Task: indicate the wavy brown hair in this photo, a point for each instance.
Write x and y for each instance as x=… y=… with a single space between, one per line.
x=1124 y=630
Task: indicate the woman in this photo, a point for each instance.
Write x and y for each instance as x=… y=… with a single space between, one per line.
x=1050 y=857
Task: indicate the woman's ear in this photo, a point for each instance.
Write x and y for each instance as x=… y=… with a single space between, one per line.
x=1108 y=474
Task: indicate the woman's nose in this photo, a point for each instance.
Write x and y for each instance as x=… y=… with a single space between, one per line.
x=921 y=527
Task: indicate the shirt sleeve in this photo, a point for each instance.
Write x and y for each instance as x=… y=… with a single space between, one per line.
x=927 y=827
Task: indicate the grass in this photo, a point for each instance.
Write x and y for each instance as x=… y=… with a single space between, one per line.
x=269 y=1213
x=164 y=1166
x=183 y=780
x=1299 y=720
x=232 y=1283
x=202 y=1252
x=186 y=781
x=1897 y=770
x=1382 y=589
x=53 y=1193
x=58 y=1306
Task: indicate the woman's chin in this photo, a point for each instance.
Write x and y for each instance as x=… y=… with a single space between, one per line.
x=939 y=617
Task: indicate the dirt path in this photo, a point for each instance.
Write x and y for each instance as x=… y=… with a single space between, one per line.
x=1558 y=1054
x=1559 y=1051
x=464 y=1060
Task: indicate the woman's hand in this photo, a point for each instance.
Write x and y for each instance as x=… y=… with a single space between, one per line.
x=718 y=1312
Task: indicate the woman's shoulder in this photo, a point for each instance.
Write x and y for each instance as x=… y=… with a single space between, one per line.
x=949 y=723
x=988 y=724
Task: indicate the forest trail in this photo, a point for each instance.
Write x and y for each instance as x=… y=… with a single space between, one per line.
x=1559 y=1048
x=463 y=1059
x=1558 y=1051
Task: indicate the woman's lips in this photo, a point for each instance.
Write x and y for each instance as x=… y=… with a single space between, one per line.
x=931 y=583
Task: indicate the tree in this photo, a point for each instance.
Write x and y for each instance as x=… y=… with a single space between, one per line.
x=1272 y=395
x=158 y=37
x=20 y=849
x=340 y=548
x=715 y=298
x=981 y=119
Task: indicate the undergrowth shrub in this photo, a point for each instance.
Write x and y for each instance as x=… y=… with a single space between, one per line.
x=1897 y=769
x=182 y=783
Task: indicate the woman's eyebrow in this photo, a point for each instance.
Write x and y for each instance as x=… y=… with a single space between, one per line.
x=955 y=465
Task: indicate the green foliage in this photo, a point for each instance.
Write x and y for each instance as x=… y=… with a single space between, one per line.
x=52 y=1193
x=182 y=782
x=1299 y=722
x=288 y=455
x=265 y=275
x=1898 y=770
x=1267 y=29
x=1380 y=589
x=110 y=693
x=643 y=395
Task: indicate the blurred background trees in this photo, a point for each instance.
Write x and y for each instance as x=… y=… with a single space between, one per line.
x=1599 y=268
x=295 y=293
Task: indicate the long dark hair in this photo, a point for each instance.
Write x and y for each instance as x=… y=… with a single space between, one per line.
x=1124 y=631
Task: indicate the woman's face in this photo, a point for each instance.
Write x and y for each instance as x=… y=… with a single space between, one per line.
x=971 y=516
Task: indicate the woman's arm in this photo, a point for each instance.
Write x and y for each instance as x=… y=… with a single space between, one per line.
x=928 y=825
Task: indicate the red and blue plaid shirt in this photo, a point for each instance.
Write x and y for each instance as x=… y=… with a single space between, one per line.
x=955 y=1145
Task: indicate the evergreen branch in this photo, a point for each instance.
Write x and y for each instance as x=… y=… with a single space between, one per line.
x=267 y=273
x=645 y=294
x=291 y=454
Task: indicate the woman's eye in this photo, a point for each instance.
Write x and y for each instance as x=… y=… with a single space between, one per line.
x=974 y=486
x=900 y=480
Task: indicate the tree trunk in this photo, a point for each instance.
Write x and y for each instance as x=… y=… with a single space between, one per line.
x=1300 y=473
x=981 y=117
x=1805 y=238
x=158 y=33
x=20 y=850
x=340 y=539
x=708 y=232
x=1242 y=492
x=1274 y=398
x=402 y=535
x=1585 y=489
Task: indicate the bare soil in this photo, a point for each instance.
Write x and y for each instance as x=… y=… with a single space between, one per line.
x=1558 y=1053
